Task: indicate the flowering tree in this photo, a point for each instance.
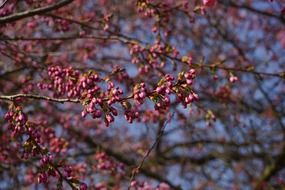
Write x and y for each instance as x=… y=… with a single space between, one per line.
x=142 y=94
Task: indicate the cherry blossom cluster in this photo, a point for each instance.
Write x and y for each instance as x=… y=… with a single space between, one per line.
x=100 y=102
x=37 y=136
x=131 y=115
x=68 y=173
x=163 y=11
x=144 y=7
x=17 y=120
x=58 y=145
x=6 y=10
x=160 y=11
x=209 y=3
x=159 y=48
x=135 y=50
x=105 y=163
x=48 y=170
x=152 y=55
x=184 y=93
x=62 y=81
x=73 y=171
x=19 y=126
x=181 y=88
x=140 y=93
x=163 y=90
x=85 y=87
x=144 y=69
x=233 y=78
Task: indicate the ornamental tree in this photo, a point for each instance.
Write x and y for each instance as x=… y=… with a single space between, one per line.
x=142 y=94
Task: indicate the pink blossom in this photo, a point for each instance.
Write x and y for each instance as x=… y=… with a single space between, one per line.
x=209 y=3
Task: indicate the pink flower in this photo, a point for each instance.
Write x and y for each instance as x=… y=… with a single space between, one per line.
x=233 y=79
x=209 y=3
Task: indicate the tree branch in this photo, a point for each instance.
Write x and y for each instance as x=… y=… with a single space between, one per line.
x=29 y=13
x=138 y=168
x=122 y=158
x=3 y=4
x=3 y=75
x=38 y=97
x=272 y=169
x=253 y=10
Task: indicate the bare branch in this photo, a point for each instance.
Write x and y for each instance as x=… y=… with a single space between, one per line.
x=3 y=4
x=29 y=13
x=137 y=169
x=272 y=169
x=38 y=97
x=122 y=158
x=253 y=10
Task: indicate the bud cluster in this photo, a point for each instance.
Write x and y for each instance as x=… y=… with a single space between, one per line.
x=99 y=102
x=17 y=120
x=140 y=93
x=105 y=163
x=6 y=10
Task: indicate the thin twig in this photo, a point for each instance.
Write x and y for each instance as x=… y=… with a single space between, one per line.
x=38 y=97
x=3 y=75
x=136 y=170
x=55 y=38
x=128 y=161
x=253 y=10
x=3 y=4
x=69 y=182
